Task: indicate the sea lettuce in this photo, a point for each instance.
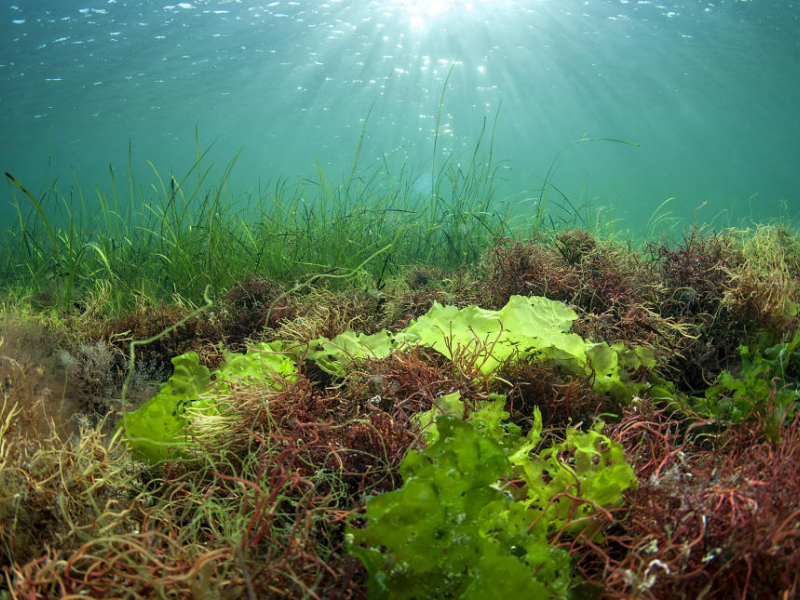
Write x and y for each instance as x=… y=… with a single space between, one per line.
x=767 y=384
x=336 y=354
x=156 y=430
x=161 y=429
x=262 y=363
x=449 y=533
x=587 y=465
x=456 y=530
x=526 y=327
x=587 y=462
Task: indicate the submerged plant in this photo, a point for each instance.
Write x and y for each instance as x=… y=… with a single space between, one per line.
x=527 y=327
x=457 y=529
x=188 y=404
x=447 y=533
x=767 y=385
x=713 y=516
x=535 y=328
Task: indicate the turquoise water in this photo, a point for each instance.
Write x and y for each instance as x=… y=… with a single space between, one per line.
x=709 y=90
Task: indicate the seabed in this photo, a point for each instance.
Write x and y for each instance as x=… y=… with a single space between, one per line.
x=377 y=394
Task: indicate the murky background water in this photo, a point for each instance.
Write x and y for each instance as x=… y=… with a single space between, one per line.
x=709 y=90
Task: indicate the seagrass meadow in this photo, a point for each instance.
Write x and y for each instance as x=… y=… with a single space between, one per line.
x=400 y=300
x=430 y=400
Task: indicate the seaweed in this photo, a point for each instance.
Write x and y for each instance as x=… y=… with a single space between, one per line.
x=302 y=407
x=767 y=384
x=453 y=531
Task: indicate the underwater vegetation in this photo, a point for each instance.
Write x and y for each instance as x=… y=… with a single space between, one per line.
x=436 y=398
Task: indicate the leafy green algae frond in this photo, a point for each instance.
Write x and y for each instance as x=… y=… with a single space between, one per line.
x=588 y=466
x=334 y=355
x=162 y=427
x=768 y=384
x=448 y=533
x=524 y=326
x=156 y=430
x=451 y=532
x=532 y=327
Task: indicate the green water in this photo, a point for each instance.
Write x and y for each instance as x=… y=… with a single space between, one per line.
x=709 y=91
